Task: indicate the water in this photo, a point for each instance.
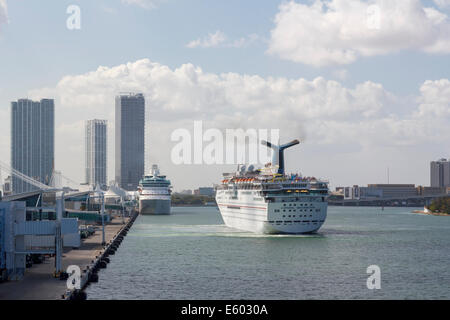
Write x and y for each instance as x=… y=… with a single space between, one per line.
x=192 y=255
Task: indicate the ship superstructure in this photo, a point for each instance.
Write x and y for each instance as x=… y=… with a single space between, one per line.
x=267 y=200
x=154 y=192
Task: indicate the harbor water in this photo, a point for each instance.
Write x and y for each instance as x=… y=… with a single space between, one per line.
x=192 y=255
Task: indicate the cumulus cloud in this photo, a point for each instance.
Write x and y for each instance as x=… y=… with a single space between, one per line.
x=442 y=3
x=337 y=32
x=212 y=40
x=435 y=99
x=219 y=39
x=321 y=112
x=3 y=12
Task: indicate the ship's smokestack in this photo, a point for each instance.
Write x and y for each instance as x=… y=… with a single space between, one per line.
x=278 y=153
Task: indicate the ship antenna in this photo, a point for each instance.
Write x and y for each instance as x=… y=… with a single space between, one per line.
x=278 y=153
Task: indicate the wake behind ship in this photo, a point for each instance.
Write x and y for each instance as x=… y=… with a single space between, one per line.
x=154 y=194
x=268 y=201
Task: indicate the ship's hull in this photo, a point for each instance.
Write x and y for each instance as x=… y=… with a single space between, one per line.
x=269 y=218
x=245 y=223
x=154 y=206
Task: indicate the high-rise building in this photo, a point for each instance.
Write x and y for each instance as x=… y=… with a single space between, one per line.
x=440 y=173
x=32 y=141
x=96 y=153
x=130 y=133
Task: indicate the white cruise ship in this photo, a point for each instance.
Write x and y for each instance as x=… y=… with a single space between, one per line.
x=268 y=201
x=154 y=193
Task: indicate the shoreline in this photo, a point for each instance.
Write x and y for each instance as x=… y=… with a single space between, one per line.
x=440 y=214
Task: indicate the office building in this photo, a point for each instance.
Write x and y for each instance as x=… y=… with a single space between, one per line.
x=32 y=141
x=95 y=152
x=129 y=140
x=440 y=173
x=394 y=190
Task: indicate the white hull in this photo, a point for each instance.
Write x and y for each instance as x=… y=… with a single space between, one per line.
x=305 y=215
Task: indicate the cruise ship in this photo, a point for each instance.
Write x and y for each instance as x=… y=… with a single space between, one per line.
x=154 y=193
x=268 y=201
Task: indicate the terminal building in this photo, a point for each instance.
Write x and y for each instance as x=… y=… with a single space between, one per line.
x=395 y=190
x=380 y=191
x=24 y=232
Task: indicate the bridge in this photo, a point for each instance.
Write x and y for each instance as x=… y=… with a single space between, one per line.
x=39 y=213
x=410 y=201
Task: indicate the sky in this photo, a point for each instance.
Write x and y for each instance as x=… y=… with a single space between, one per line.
x=363 y=84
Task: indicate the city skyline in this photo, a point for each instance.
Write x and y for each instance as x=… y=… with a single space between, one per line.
x=354 y=118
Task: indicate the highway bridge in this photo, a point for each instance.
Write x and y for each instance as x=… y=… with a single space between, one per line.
x=409 y=201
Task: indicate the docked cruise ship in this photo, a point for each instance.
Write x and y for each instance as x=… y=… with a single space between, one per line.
x=268 y=201
x=154 y=193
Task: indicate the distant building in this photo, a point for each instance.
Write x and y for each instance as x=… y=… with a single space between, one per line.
x=378 y=191
x=440 y=173
x=340 y=190
x=430 y=191
x=95 y=152
x=186 y=192
x=351 y=193
x=371 y=193
x=204 y=191
x=32 y=141
x=395 y=190
x=129 y=140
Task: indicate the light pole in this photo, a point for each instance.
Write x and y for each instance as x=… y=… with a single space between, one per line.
x=58 y=236
x=103 y=218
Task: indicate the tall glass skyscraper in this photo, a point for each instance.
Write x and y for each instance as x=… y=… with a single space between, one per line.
x=130 y=133
x=96 y=153
x=32 y=141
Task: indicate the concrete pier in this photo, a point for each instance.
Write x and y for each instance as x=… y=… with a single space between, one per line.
x=39 y=282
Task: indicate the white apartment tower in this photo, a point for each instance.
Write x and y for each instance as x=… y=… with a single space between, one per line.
x=96 y=152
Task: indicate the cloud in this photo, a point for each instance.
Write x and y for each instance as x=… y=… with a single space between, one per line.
x=435 y=99
x=219 y=39
x=338 y=32
x=146 y=4
x=323 y=113
x=212 y=40
x=442 y=3
x=3 y=12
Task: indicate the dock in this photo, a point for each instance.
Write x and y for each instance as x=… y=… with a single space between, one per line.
x=39 y=282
